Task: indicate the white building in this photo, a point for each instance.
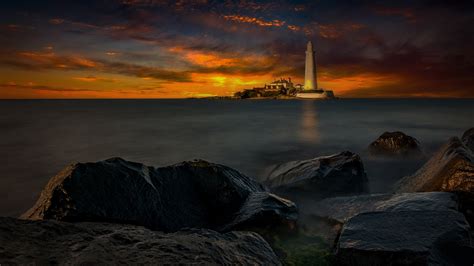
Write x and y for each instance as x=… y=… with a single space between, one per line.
x=279 y=84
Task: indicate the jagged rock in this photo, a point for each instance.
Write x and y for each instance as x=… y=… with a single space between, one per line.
x=338 y=174
x=405 y=238
x=341 y=209
x=395 y=143
x=450 y=169
x=50 y=242
x=193 y=194
x=468 y=139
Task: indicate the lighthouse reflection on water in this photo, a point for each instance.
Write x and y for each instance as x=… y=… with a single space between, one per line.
x=309 y=128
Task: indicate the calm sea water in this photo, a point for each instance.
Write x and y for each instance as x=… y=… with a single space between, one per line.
x=40 y=137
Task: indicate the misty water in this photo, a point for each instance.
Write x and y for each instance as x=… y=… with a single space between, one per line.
x=40 y=137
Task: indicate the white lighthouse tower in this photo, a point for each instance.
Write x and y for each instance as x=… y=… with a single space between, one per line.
x=310 y=89
x=310 y=82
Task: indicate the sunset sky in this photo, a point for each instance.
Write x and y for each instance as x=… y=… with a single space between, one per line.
x=175 y=49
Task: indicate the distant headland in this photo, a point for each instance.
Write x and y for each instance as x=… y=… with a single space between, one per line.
x=285 y=88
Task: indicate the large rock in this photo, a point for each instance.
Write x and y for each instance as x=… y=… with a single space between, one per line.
x=341 y=209
x=405 y=238
x=327 y=216
x=264 y=210
x=50 y=242
x=394 y=144
x=468 y=138
x=338 y=174
x=193 y=194
x=450 y=169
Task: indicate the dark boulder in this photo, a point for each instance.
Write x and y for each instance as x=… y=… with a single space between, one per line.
x=338 y=174
x=342 y=209
x=264 y=210
x=51 y=242
x=326 y=217
x=405 y=238
x=394 y=144
x=451 y=168
x=195 y=194
x=468 y=138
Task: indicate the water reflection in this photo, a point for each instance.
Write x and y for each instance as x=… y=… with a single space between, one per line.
x=309 y=131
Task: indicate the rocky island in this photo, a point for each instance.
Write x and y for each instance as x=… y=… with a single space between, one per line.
x=286 y=89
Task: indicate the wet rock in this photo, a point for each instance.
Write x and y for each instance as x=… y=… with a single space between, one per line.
x=50 y=242
x=394 y=144
x=262 y=210
x=404 y=238
x=468 y=138
x=327 y=216
x=195 y=194
x=342 y=209
x=450 y=169
x=334 y=175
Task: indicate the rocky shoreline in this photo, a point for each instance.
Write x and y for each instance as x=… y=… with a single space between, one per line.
x=316 y=211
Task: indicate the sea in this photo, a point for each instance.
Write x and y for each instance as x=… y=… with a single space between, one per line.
x=38 y=138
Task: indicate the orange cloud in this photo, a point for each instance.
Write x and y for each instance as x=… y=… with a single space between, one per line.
x=93 y=79
x=210 y=60
x=256 y=21
x=224 y=62
x=51 y=59
x=215 y=84
x=56 y=21
x=349 y=84
x=294 y=28
x=112 y=53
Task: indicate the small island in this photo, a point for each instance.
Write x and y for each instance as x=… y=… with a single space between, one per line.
x=286 y=89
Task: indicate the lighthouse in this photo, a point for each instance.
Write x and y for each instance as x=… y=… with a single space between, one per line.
x=310 y=89
x=310 y=82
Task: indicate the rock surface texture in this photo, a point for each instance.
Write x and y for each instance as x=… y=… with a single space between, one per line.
x=468 y=139
x=405 y=238
x=195 y=194
x=412 y=228
x=450 y=169
x=395 y=143
x=50 y=242
x=338 y=174
x=341 y=209
x=329 y=215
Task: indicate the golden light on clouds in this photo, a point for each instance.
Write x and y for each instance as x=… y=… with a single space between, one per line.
x=347 y=84
x=210 y=60
x=256 y=21
x=51 y=59
x=168 y=49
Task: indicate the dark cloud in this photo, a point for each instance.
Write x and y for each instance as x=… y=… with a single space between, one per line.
x=43 y=61
x=14 y=86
